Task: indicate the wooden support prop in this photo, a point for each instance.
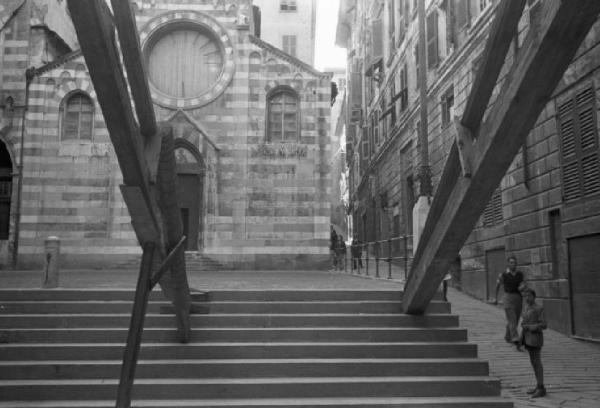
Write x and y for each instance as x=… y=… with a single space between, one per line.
x=132 y=58
x=502 y=30
x=95 y=32
x=141 y=214
x=136 y=328
x=166 y=263
x=539 y=66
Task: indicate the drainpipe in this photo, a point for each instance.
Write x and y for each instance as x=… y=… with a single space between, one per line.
x=425 y=187
x=421 y=209
x=29 y=74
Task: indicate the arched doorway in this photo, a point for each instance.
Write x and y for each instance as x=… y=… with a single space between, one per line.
x=6 y=170
x=190 y=183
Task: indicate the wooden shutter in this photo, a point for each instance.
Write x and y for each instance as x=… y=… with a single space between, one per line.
x=462 y=13
x=579 y=146
x=356 y=91
x=377 y=32
x=432 y=39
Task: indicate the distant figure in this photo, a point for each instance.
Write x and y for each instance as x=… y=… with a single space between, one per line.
x=356 y=252
x=340 y=252
x=445 y=286
x=533 y=323
x=332 y=244
x=454 y=269
x=512 y=281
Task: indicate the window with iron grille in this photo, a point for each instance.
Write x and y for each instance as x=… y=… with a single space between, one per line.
x=492 y=214
x=283 y=116
x=77 y=117
x=579 y=146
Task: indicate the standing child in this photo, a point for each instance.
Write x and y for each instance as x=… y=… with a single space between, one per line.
x=532 y=326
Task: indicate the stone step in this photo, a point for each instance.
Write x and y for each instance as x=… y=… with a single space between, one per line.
x=112 y=351
x=239 y=368
x=296 y=387
x=213 y=295
x=298 y=334
x=355 y=402
x=231 y=320
x=214 y=307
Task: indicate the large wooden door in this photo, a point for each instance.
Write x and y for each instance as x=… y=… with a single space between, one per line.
x=495 y=262
x=584 y=268
x=188 y=197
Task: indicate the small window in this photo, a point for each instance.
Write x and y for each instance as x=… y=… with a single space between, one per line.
x=447 y=107
x=283 y=116
x=287 y=5
x=77 y=118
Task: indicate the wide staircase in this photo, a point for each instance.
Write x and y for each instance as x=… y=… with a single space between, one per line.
x=276 y=349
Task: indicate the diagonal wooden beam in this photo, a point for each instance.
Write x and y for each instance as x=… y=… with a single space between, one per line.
x=547 y=52
x=136 y=72
x=96 y=33
x=502 y=30
x=502 y=33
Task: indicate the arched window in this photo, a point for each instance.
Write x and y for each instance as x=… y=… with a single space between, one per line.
x=77 y=117
x=283 y=116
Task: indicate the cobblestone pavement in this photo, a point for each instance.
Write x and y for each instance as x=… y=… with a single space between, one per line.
x=571 y=367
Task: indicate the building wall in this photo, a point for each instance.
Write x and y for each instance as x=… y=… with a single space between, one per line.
x=301 y=23
x=265 y=205
x=530 y=218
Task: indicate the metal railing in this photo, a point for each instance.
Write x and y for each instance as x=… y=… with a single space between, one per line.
x=397 y=252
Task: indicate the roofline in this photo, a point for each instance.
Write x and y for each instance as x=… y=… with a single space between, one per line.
x=289 y=58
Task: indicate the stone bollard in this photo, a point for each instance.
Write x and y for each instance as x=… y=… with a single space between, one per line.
x=52 y=251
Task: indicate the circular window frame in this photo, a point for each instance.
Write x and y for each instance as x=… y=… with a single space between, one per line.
x=172 y=21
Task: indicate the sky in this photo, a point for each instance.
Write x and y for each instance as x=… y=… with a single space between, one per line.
x=327 y=54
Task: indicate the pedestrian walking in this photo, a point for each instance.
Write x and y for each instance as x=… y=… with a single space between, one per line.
x=332 y=244
x=512 y=280
x=341 y=253
x=356 y=252
x=532 y=325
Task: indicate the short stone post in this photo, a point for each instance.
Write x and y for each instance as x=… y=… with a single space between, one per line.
x=51 y=251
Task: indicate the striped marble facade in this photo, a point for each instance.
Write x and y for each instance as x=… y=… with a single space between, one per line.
x=264 y=205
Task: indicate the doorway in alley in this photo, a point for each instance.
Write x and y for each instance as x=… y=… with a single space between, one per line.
x=190 y=174
x=584 y=269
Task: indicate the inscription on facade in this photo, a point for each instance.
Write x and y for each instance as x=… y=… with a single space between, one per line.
x=280 y=151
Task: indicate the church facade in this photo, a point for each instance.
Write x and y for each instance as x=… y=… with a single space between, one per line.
x=252 y=145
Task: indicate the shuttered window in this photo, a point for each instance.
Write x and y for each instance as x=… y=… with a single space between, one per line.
x=283 y=116
x=579 y=146
x=432 y=40
x=492 y=215
x=289 y=44
x=77 y=118
x=377 y=32
x=462 y=13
